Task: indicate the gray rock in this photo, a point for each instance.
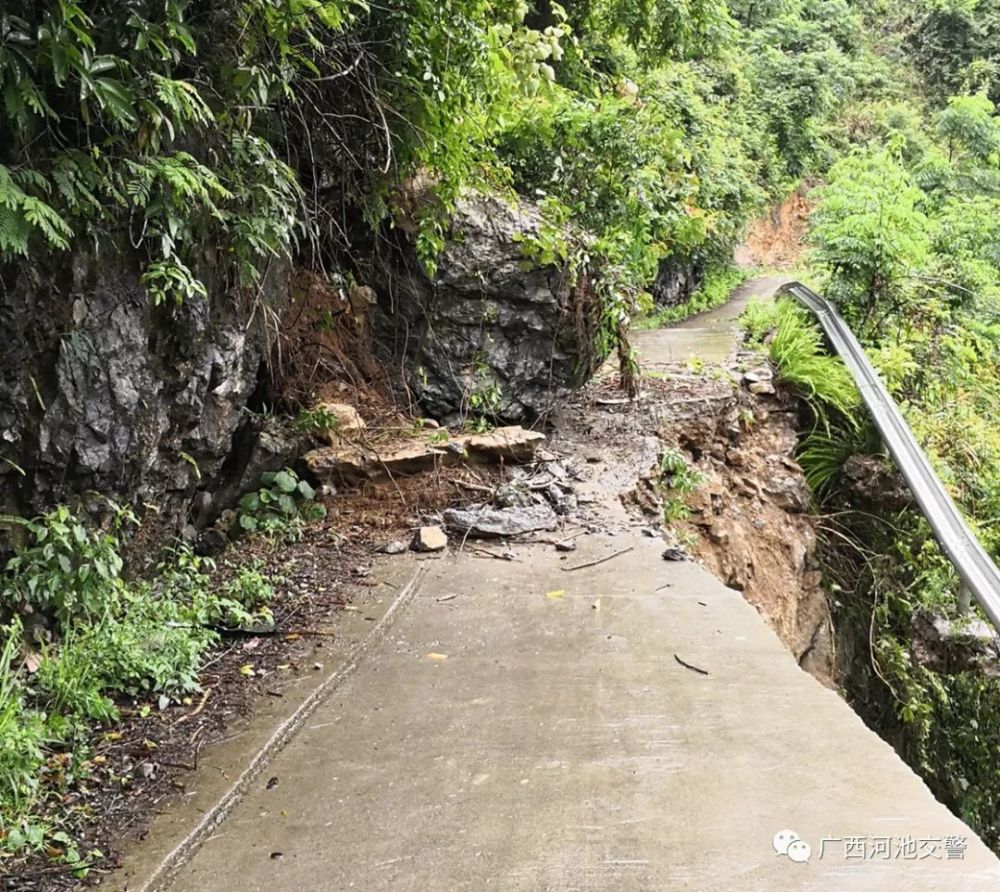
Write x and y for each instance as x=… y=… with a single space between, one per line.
x=484 y=320
x=789 y=492
x=495 y=522
x=513 y=495
x=676 y=280
x=562 y=497
x=675 y=554
x=101 y=391
x=397 y=546
x=759 y=375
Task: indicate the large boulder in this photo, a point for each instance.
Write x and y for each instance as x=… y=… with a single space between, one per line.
x=677 y=278
x=101 y=391
x=489 y=333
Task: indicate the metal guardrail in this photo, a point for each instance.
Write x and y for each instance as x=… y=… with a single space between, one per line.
x=974 y=565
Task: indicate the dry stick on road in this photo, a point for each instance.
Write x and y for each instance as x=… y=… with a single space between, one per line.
x=602 y=560
x=500 y=557
x=690 y=666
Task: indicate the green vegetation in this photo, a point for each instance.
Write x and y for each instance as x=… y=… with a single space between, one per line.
x=795 y=346
x=178 y=125
x=281 y=506
x=677 y=480
x=204 y=140
x=96 y=637
x=905 y=240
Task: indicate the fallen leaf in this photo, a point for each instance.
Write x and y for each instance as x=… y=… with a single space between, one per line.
x=556 y=595
x=32 y=662
x=247 y=670
x=148 y=744
x=292 y=636
x=438 y=658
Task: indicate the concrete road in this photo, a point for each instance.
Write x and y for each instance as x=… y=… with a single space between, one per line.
x=632 y=726
x=709 y=336
x=525 y=727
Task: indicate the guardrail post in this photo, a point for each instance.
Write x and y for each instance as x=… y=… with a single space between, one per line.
x=964 y=600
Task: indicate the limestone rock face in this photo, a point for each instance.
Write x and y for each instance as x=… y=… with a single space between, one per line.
x=488 y=323
x=101 y=391
x=676 y=280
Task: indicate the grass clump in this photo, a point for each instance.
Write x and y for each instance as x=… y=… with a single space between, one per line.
x=795 y=345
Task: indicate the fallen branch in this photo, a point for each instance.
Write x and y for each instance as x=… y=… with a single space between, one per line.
x=199 y=707
x=475 y=486
x=493 y=554
x=602 y=560
x=569 y=538
x=690 y=666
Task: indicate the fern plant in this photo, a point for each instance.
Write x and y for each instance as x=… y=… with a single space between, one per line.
x=115 y=122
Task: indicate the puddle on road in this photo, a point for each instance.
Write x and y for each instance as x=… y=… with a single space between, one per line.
x=671 y=345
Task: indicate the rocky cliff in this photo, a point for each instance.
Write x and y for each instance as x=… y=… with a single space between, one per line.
x=100 y=391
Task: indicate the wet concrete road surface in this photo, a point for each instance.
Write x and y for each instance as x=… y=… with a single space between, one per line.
x=537 y=732
x=633 y=726
x=708 y=336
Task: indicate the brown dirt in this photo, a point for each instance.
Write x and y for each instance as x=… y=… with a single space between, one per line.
x=750 y=521
x=777 y=240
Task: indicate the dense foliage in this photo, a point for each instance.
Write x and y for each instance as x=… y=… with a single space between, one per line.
x=243 y=123
x=906 y=239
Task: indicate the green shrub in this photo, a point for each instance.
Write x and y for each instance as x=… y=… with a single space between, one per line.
x=677 y=480
x=280 y=506
x=796 y=348
x=70 y=685
x=66 y=567
x=108 y=636
x=22 y=735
